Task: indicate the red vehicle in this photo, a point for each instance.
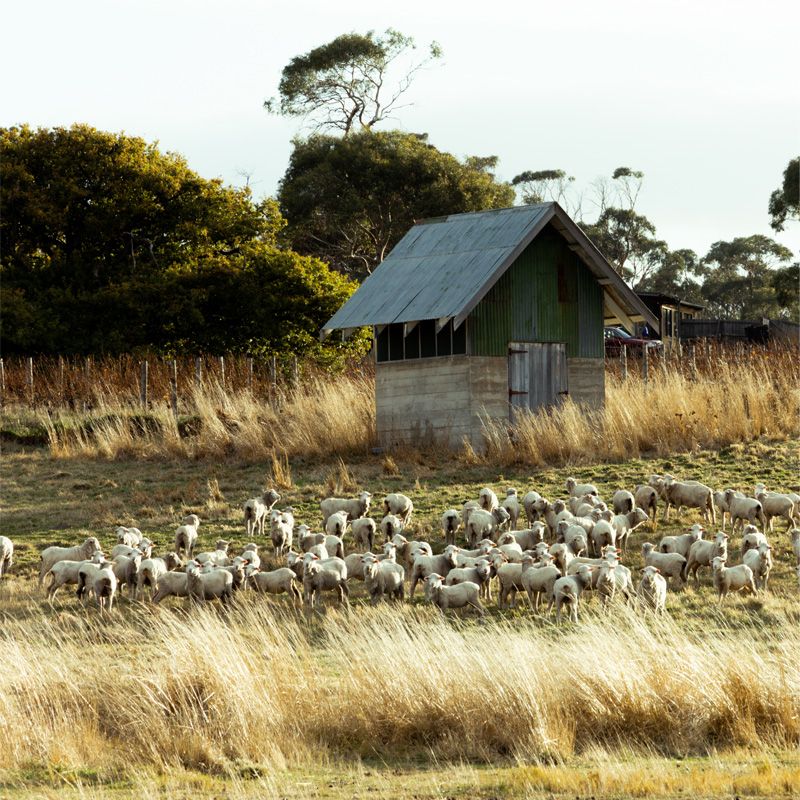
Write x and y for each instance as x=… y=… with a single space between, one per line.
x=617 y=338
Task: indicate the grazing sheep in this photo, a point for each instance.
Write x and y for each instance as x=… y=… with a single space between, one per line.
x=100 y=578
x=702 y=553
x=128 y=536
x=603 y=534
x=760 y=561
x=623 y=524
x=721 y=504
x=527 y=539
x=186 y=536
x=690 y=494
x=458 y=596
x=336 y=524
x=777 y=505
x=670 y=565
x=683 y=542
x=512 y=505
x=407 y=550
x=480 y=573
x=732 y=579
x=216 y=584
x=6 y=555
x=308 y=539
x=744 y=509
x=795 y=535
x=487 y=499
x=217 y=557
x=575 y=489
x=363 y=530
x=482 y=524
x=52 y=555
x=281 y=530
x=171 y=584
x=355 y=565
x=538 y=582
x=529 y=504
x=567 y=591
x=399 y=505
x=391 y=526
x=143 y=550
x=335 y=546
x=652 y=590
x=66 y=572
x=752 y=538
x=320 y=575
x=451 y=522
x=425 y=565
x=276 y=581
x=353 y=508
x=151 y=569
x=623 y=501
x=383 y=579
x=126 y=571
x=646 y=497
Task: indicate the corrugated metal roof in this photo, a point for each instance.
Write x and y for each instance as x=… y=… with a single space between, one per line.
x=443 y=267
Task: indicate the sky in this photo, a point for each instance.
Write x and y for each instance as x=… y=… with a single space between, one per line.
x=701 y=96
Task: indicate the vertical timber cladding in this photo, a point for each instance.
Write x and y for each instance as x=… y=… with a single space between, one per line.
x=547 y=295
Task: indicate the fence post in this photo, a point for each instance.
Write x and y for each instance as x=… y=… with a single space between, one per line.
x=222 y=371
x=273 y=372
x=644 y=365
x=29 y=378
x=666 y=354
x=198 y=371
x=250 y=373
x=295 y=371
x=61 y=378
x=143 y=384
x=623 y=356
x=173 y=387
x=2 y=382
x=693 y=360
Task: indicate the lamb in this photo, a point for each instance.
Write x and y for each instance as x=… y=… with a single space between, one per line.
x=652 y=590
x=752 y=539
x=309 y=539
x=777 y=505
x=529 y=504
x=567 y=591
x=760 y=561
x=483 y=524
x=562 y=555
x=425 y=565
x=399 y=505
x=605 y=582
x=575 y=489
x=6 y=555
x=744 y=508
x=574 y=537
x=126 y=569
x=407 y=550
x=586 y=502
x=512 y=505
x=236 y=569
x=683 y=542
x=623 y=501
x=336 y=524
x=550 y=512
x=52 y=555
x=480 y=573
x=217 y=557
x=186 y=536
x=511 y=552
x=294 y=561
x=458 y=596
x=122 y=550
x=217 y=584
x=671 y=565
x=646 y=497
x=352 y=508
x=487 y=499
x=66 y=572
x=128 y=536
x=383 y=578
x=623 y=524
x=276 y=581
x=256 y=511
x=171 y=584
x=451 y=522
x=391 y=525
x=603 y=534
x=721 y=504
x=689 y=494
x=795 y=534
x=527 y=539
x=151 y=569
x=101 y=579
x=728 y=579
x=467 y=509
x=538 y=581
x=335 y=546
x=321 y=575
x=250 y=553
x=509 y=579
x=363 y=530
x=281 y=530
x=702 y=553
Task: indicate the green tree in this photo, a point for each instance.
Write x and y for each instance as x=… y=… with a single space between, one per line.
x=345 y=84
x=349 y=200
x=786 y=283
x=676 y=274
x=739 y=277
x=543 y=185
x=784 y=203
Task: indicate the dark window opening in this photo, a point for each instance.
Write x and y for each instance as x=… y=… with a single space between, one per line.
x=427 y=336
x=382 y=340
x=444 y=344
x=422 y=341
x=460 y=340
x=412 y=343
x=395 y=342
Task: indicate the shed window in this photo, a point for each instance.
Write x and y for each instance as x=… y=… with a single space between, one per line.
x=382 y=344
x=412 y=343
x=422 y=341
x=427 y=337
x=460 y=339
x=395 y=342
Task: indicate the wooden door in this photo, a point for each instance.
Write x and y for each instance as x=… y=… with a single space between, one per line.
x=537 y=375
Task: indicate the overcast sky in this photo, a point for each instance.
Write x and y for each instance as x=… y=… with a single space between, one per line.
x=702 y=96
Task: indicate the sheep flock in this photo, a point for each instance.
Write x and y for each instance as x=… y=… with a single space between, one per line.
x=557 y=552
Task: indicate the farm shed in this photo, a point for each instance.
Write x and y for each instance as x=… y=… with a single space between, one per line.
x=482 y=314
x=670 y=311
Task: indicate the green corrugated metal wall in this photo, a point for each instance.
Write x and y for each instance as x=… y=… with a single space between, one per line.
x=524 y=304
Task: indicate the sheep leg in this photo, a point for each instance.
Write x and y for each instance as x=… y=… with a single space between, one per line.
x=477 y=605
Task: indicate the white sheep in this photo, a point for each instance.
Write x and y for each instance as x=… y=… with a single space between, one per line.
x=321 y=575
x=276 y=581
x=336 y=524
x=458 y=596
x=652 y=590
x=335 y=546
x=363 y=530
x=129 y=536
x=399 y=505
x=451 y=522
x=354 y=508
x=760 y=561
x=480 y=573
x=218 y=557
x=529 y=504
x=526 y=539
x=575 y=489
x=482 y=524
x=703 y=552
x=623 y=501
x=151 y=569
x=752 y=538
x=52 y=555
x=795 y=536
x=603 y=534
x=126 y=570
x=681 y=543
x=407 y=550
x=777 y=505
x=691 y=494
x=567 y=591
x=512 y=505
x=100 y=578
x=744 y=509
x=670 y=565
x=215 y=584
x=186 y=536
x=624 y=524
x=391 y=525
x=509 y=578
x=425 y=565
x=538 y=581
x=6 y=555
x=467 y=509
x=382 y=579
x=721 y=504
x=307 y=539
x=63 y=573
x=487 y=499
x=646 y=497
x=281 y=530
x=171 y=584
x=574 y=537
x=255 y=512
x=727 y=579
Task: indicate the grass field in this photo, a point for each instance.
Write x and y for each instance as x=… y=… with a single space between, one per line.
x=170 y=703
